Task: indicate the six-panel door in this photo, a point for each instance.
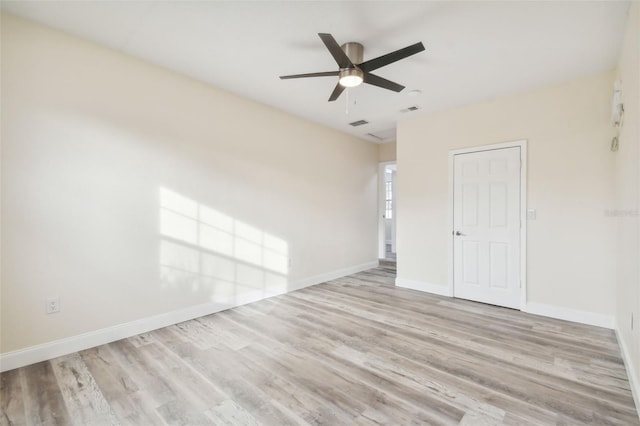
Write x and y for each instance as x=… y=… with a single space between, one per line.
x=486 y=220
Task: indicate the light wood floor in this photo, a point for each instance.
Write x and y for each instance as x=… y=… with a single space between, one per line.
x=352 y=351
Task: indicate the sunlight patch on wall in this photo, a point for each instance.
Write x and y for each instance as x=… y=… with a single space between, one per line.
x=207 y=251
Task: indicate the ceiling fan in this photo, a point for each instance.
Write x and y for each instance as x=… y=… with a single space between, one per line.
x=353 y=71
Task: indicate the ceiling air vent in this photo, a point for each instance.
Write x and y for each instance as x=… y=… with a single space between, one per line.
x=387 y=135
x=358 y=123
x=411 y=108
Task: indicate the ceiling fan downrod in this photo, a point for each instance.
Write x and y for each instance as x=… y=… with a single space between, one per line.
x=354 y=51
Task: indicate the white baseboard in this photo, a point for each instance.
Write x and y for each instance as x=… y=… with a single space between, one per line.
x=440 y=290
x=631 y=371
x=49 y=350
x=582 y=317
x=321 y=278
x=551 y=311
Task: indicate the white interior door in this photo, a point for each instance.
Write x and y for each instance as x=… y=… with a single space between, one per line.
x=486 y=226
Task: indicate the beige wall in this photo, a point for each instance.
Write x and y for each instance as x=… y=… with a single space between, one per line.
x=130 y=191
x=570 y=246
x=387 y=152
x=627 y=204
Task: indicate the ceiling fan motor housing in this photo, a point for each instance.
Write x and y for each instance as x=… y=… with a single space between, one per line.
x=354 y=52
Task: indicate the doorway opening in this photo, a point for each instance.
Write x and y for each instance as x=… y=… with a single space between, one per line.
x=387 y=211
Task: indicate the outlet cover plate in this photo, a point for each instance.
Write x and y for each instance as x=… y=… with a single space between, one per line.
x=52 y=305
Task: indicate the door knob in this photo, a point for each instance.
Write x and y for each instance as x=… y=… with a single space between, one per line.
x=460 y=234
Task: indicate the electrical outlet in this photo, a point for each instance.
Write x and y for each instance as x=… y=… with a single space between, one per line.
x=52 y=305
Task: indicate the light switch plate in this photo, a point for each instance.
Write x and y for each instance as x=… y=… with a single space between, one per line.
x=531 y=214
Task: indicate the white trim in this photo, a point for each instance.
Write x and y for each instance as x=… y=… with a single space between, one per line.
x=49 y=350
x=631 y=371
x=568 y=314
x=440 y=290
x=322 y=278
x=523 y=223
x=394 y=209
x=522 y=144
x=382 y=196
x=450 y=251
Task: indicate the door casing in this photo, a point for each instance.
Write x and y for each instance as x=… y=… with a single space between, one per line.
x=523 y=212
x=381 y=208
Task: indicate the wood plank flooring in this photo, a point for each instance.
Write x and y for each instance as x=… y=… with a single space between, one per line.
x=355 y=350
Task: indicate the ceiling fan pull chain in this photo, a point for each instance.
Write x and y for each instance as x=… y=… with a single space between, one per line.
x=347 y=105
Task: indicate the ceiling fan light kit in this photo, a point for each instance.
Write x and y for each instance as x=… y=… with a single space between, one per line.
x=351 y=77
x=352 y=71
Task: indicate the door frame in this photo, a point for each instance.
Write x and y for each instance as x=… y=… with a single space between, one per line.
x=382 y=196
x=523 y=212
x=394 y=209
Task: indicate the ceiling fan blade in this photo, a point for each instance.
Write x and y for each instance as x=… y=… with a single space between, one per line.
x=382 y=82
x=336 y=92
x=389 y=58
x=336 y=51
x=313 y=74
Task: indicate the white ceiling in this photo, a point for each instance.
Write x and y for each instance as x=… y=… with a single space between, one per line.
x=474 y=50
